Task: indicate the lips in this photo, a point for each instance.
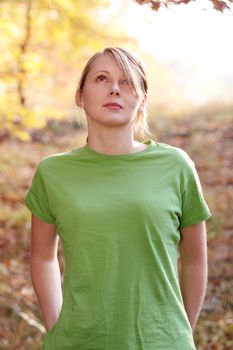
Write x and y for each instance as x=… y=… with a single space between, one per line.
x=113 y=105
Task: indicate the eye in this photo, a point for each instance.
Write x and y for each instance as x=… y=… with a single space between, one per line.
x=100 y=78
x=125 y=82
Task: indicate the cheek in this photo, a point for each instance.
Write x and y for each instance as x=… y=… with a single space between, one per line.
x=91 y=97
x=132 y=102
x=92 y=102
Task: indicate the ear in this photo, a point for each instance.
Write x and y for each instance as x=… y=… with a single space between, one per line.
x=142 y=104
x=78 y=99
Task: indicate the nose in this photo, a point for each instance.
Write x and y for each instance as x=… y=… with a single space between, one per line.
x=114 y=90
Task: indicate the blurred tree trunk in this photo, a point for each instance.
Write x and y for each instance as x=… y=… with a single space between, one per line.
x=22 y=73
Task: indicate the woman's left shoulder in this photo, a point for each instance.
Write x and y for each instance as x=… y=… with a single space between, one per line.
x=176 y=154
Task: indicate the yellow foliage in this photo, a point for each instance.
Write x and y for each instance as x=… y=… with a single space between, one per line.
x=20 y=134
x=38 y=49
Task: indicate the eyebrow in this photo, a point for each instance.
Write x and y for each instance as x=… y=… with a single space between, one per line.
x=101 y=71
x=105 y=71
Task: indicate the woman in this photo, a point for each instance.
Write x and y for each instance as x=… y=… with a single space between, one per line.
x=125 y=212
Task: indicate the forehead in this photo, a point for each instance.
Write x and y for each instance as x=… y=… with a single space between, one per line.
x=105 y=63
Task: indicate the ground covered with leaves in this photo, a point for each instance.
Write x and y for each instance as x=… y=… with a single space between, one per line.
x=208 y=139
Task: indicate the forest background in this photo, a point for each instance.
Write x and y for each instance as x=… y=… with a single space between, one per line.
x=44 y=45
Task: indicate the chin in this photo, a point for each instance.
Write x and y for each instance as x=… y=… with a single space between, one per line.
x=112 y=120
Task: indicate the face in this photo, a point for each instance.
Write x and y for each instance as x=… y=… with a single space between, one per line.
x=107 y=97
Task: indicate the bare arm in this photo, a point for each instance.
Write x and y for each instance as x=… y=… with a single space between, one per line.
x=193 y=269
x=45 y=270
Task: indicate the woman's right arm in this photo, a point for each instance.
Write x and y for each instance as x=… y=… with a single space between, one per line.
x=45 y=270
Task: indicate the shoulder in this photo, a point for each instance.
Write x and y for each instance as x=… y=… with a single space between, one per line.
x=175 y=155
x=55 y=162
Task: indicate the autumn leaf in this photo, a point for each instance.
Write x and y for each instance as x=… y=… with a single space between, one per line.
x=218 y=5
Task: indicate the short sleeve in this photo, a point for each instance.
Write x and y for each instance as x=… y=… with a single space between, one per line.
x=194 y=206
x=36 y=198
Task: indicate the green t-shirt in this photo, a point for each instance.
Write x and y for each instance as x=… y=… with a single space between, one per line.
x=118 y=218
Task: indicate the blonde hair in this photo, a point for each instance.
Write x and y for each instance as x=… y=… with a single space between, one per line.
x=134 y=71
